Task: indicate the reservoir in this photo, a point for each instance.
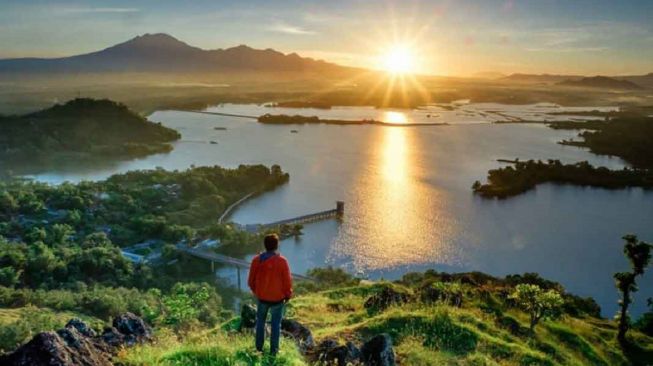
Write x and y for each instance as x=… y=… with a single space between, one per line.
x=409 y=203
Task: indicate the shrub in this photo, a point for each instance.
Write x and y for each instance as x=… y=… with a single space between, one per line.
x=539 y=304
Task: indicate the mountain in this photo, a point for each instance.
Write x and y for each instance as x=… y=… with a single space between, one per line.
x=540 y=78
x=643 y=80
x=488 y=75
x=164 y=53
x=601 y=82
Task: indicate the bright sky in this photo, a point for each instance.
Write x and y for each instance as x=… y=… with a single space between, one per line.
x=446 y=37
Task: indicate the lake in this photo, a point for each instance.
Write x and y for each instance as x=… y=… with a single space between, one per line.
x=409 y=203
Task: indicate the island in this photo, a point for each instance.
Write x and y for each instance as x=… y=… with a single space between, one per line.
x=627 y=135
x=523 y=176
x=283 y=119
x=82 y=128
x=301 y=104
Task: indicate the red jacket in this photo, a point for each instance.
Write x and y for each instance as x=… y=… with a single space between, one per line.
x=270 y=278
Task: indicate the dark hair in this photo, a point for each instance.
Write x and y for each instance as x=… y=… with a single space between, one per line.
x=271 y=242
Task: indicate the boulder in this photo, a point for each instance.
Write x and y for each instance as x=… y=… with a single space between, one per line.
x=247 y=316
x=53 y=349
x=81 y=327
x=112 y=337
x=385 y=298
x=78 y=345
x=378 y=351
x=432 y=294
x=300 y=333
x=330 y=352
x=133 y=328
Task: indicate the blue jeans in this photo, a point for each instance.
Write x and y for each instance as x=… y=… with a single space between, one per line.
x=276 y=311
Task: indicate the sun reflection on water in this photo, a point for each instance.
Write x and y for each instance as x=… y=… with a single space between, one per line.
x=396 y=213
x=394 y=117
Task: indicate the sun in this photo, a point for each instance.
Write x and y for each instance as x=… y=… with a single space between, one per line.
x=398 y=59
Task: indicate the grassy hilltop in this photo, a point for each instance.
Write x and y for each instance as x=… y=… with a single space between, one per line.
x=437 y=319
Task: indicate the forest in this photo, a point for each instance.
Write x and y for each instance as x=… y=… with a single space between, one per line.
x=525 y=175
x=81 y=128
x=60 y=245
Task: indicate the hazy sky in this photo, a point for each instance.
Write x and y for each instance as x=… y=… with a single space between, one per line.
x=448 y=37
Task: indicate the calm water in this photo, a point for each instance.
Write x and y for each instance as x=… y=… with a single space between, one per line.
x=409 y=205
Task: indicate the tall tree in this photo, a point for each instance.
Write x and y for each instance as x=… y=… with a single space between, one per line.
x=639 y=255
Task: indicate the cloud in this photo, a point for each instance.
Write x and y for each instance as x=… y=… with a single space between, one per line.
x=97 y=10
x=291 y=29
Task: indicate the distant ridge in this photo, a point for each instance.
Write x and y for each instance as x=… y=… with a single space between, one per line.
x=540 y=78
x=601 y=82
x=164 y=53
x=492 y=75
x=639 y=80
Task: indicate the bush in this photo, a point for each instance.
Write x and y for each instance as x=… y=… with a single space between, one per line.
x=539 y=304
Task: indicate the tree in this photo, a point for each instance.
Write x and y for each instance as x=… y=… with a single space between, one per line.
x=645 y=322
x=8 y=203
x=639 y=256
x=539 y=304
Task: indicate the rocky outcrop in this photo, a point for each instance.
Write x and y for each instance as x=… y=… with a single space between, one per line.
x=78 y=345
x=247 y=316
x=301 y=334
x=385 y=298
x=330 y=352
x=378 y=351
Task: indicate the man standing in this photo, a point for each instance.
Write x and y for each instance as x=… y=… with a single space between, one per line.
x=270 y=281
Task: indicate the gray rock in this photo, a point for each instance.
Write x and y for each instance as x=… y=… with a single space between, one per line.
x=134 y=329
x=247 y=316
x=81 y=327
x=386 y=298
x=378 y=351
x=300 y=333
x=331 y=353
x=77 y=344
x=51 y=349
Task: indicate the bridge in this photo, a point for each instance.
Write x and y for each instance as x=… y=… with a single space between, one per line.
x=300 y=220
x=212 y=257
x=223 y=259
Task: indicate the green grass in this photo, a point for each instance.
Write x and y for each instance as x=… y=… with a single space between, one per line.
x=18 y=325
x=218 y=348
x=423 y=334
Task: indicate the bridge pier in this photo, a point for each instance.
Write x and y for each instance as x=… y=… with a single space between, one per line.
x=238 y=274
x=340 y=208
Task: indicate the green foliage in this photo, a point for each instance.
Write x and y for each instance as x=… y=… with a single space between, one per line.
x=83 y=126
x=187 y=304
x=19 y=325
x=327 y=278
x=638 y=254
x=539 y=304
x=628 y=137
x=645 y=322
x=216 y=349
x=523 y=176
x=73 y=232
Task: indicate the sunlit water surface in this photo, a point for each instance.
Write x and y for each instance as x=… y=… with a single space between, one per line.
x=409 y=205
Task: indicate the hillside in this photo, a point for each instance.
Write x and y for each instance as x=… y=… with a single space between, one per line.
x=601 y=82
x=162 y=53
x=82 y=126
x=540 y=78
x=643 y=80
x=432 y=319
